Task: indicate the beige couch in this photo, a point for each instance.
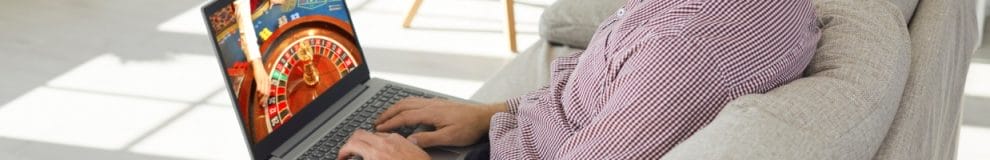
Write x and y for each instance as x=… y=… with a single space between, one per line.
x=885 y=83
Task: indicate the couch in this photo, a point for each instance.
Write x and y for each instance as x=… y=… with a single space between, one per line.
x=885 y=83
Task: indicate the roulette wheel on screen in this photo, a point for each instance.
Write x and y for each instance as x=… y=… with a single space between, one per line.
x=304 y=58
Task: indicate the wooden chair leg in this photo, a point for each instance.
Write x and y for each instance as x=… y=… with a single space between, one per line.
x=411 y=13
x=510 y=24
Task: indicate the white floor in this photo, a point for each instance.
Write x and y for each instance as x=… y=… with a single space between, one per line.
x=974 y=135
x=119 y=79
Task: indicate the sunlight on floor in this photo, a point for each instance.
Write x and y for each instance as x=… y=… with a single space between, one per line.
x=206 y=132
x=454 y=87
x=83 y=119
x=974 y=140
x=973 y=143
x=978 y=80
x=185 y=78
x=111 y=104
x=188 y=22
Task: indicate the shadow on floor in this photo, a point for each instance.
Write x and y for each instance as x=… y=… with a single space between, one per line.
x=475 y=30
x=44 y=45
x=982 y=55
x=454 y=66
x=974 y=111
x=43 y=150
x=496 y=19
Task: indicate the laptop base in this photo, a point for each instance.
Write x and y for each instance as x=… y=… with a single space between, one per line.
x=329 y=122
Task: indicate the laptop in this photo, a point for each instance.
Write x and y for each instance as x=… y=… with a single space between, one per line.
x=298 y=79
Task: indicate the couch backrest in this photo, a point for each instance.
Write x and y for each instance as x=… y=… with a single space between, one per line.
x=842 y=109
x=572 y=22
x=923 y=125
x=943 y=35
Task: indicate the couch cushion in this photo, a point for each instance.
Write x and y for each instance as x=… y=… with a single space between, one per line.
x=572 y=22
x=841 y=110
x=907 y=8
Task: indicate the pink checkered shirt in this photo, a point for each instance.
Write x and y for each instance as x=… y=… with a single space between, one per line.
x=654 y=73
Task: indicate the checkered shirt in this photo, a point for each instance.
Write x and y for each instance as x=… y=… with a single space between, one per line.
x=655 y=72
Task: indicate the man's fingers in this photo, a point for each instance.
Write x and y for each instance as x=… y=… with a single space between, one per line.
x=356 y=145
x=407 y=118
x=362 y=135
x=399 y=107
x=430 y=139
x=353 y=149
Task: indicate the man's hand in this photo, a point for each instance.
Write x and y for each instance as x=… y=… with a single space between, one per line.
x=457 y=124
x=375 y=146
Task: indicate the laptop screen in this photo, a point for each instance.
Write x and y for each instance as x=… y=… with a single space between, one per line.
x=292 y=52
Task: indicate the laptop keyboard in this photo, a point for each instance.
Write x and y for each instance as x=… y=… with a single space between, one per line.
x=363 y=118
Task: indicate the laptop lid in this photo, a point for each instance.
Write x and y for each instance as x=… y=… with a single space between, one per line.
x=284 y=67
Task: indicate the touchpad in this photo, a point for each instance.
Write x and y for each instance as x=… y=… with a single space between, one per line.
x=438 y=153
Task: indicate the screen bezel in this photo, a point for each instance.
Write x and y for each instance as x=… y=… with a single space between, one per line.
x=264 y=148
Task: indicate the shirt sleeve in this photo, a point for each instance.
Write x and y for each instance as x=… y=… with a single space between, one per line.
x=662 y=96
x=503 y=131
x=560 y=67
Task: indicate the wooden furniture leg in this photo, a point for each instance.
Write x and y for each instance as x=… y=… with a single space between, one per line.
x=510 y=21
x=411 y=13
x=510 y=24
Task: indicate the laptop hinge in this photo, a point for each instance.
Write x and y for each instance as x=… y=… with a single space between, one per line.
x=308 y=130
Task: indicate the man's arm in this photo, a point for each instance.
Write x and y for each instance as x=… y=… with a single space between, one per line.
x=496 y=107
x=503 y=132
x=655 y=105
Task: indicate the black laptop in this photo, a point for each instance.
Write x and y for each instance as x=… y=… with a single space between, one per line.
x=298 y=78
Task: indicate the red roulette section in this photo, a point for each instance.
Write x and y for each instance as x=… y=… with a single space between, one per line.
x=304 y=58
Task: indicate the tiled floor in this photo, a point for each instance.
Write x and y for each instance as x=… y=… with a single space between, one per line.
x=121 y=79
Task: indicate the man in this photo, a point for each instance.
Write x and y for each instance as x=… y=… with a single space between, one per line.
x=654 y=73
